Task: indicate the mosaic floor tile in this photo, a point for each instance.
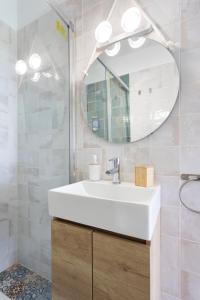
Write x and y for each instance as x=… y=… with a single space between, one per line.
x=19 y=283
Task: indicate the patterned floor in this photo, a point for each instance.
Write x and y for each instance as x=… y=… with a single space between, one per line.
x=19 y=283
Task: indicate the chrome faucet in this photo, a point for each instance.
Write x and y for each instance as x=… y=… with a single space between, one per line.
x=115 y=171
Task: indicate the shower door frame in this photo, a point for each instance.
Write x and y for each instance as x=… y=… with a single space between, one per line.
x=72 y=111
x=71 y=94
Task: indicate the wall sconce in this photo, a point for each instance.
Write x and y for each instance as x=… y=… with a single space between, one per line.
x=103 y=32
x=131 y=19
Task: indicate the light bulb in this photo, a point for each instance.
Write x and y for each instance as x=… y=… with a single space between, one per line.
x=36 y=77
x=131 y=19
x=137 y=43
x=35 y=61
x=103 y=32
x=113 y=50
x=21 y=67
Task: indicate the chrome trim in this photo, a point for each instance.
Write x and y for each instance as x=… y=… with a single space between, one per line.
x=65 y=20
x=72 y=111
x=190 y=177
x=115 y=171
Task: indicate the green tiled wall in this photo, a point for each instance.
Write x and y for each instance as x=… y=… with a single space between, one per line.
x=97 y=96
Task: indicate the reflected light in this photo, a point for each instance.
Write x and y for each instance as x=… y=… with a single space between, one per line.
x=47 y=75
x=56 y=76
x=160 y=115
x=35 y=61
x=36 y=77
x=136 y=43
x=21 y=67
x=113 y=50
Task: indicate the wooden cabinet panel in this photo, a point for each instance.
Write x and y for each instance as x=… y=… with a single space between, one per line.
x=121 y=268
x=71 y=261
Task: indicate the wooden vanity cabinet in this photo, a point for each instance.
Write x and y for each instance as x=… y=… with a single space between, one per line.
x=71 y=262
x=90 y=264
x=121 y=268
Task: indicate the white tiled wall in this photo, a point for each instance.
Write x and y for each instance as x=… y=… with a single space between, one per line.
x=173 y=149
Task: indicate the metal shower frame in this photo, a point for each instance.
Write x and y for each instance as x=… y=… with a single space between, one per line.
x=71 y=113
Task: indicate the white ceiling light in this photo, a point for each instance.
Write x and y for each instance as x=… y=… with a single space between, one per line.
x=35 y=61
x=113 y=50
x=103 y=32
x=21 y=67
x=131 y=19
x=36 y=77
x=137 y=43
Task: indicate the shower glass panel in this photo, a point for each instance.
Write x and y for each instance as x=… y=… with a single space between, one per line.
x=43 y=128
x=8 y=144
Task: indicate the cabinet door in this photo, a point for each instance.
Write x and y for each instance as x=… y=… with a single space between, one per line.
x=71 y=261
x=121 y=268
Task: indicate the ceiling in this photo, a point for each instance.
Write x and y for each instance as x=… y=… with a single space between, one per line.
x=8 y=12
x=30 y=10
x=18 y=13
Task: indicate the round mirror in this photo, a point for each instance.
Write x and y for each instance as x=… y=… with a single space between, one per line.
x=130 y=90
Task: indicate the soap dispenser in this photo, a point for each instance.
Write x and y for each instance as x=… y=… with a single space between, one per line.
x=94 y=169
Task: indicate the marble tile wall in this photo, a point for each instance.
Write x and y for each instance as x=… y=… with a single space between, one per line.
x=8 y=147
x=173 y=149
x=190 y=147
x=43 y=145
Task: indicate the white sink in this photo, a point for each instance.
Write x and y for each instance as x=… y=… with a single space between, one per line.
x=125 y=209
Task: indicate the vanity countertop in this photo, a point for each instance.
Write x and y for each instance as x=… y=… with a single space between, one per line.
x=123 y=209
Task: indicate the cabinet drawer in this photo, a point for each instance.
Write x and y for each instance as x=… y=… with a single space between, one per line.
x=71 y=261
x=121 y=268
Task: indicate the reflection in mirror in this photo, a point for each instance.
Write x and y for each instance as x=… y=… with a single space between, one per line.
x=129 y=94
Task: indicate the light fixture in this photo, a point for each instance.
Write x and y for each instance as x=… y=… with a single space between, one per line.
x=103 y=32
x=131 y=19
x=114 y=49
x=35 y=61
x=21 y=67
x=136 y=43
x=36 y=77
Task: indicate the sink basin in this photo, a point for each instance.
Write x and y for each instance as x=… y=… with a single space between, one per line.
x=124 y=209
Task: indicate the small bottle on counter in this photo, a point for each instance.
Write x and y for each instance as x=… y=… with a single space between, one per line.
x=94 y=169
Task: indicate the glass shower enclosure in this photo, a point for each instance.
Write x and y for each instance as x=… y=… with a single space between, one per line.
x=43 y=129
